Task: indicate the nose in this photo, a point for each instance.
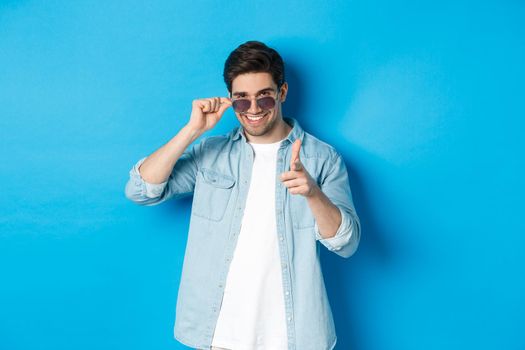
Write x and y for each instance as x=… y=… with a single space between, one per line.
x=254 y=107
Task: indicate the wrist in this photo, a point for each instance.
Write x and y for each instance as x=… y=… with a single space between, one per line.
x=192 y=131
x=315 y=191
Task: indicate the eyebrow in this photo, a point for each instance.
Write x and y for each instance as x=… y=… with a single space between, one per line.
x=258 y=92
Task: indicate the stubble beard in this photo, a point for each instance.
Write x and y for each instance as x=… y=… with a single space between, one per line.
x=273 y=120
x=263 y=129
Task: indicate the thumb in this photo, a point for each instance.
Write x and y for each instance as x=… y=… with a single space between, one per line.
x=225 y=104
x=295 y=161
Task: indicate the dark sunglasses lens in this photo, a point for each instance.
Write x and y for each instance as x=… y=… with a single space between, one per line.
x=266 y=103
x=241 y=105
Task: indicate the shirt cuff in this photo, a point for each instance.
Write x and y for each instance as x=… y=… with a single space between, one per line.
x=341 y=237
x=149 y=190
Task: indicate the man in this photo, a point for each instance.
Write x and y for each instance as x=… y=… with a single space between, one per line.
x=265 y=196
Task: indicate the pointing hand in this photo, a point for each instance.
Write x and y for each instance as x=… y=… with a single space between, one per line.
x=298 y=180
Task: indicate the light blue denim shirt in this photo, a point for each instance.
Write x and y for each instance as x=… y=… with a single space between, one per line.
x=217 y=172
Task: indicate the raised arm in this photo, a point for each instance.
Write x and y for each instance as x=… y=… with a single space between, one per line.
x=337 y=225
x=171 y=169
x=336 y=187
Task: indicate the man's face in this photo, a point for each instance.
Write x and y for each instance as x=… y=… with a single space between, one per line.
x=255 y=121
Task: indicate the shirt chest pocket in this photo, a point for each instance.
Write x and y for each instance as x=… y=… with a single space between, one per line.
x=301 y=213
x=212 y=194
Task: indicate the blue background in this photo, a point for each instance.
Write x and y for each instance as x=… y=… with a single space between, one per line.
x=425 y=101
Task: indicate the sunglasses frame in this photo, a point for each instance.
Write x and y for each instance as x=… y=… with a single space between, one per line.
x=275 y=98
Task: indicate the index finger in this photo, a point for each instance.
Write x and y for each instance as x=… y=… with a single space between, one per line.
x=298 y=166
x=225 y=100
x=296 y=147
x=294 y=159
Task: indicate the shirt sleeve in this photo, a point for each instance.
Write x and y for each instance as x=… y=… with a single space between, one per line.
x=336 y=187
x=181 y=181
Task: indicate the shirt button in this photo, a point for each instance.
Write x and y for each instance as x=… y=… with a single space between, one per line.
x=289 y=319
x=281 y=238
x=287 y=292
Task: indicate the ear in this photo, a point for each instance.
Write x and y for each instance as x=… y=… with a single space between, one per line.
x=283 y=92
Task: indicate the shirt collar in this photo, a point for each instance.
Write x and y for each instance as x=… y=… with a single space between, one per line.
x=297 y=131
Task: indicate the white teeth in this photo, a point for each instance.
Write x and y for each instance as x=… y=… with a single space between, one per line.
x=256 y=118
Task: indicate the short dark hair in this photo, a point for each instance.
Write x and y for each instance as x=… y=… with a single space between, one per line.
x=253 y=57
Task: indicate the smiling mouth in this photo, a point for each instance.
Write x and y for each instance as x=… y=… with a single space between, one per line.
x=255 y=119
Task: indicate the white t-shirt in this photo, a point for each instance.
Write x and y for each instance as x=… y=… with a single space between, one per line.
x=252 y=315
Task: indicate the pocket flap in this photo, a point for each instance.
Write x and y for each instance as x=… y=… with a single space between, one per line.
x=217 y=179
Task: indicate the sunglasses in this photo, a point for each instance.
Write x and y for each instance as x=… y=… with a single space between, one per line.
x=241 y=105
